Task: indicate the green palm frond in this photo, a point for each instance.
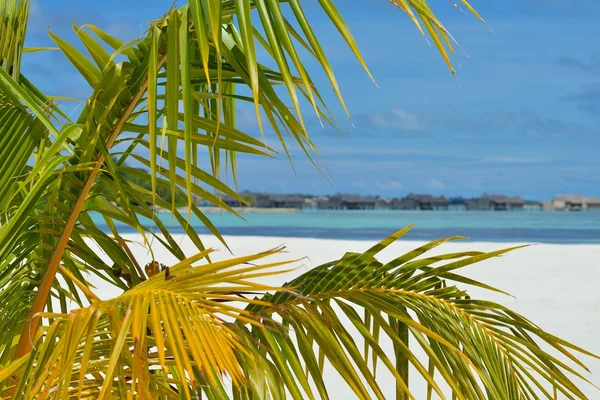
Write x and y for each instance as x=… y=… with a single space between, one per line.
x=184 y=332
x=13 y=27
x=176 y=86
x=479 y=348
x=202 y=327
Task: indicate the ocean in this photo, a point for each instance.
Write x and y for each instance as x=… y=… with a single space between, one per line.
x=489 y=226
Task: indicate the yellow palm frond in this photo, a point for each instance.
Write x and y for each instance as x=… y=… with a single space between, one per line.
x=177 y=326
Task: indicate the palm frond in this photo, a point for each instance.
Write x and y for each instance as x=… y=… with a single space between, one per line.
x=190 y=60
x=13 y=19
x=184 y=332
x=214 y=329
x=479 y=348
x=171 y=334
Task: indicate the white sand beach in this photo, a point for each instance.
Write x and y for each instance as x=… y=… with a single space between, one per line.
x=556 y=286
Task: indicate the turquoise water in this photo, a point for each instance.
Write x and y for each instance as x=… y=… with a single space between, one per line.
x=519 y=226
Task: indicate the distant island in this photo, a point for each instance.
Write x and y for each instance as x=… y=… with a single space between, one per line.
x=282 y=203
x=270 y=202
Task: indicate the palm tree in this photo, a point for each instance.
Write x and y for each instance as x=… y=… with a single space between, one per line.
x=205 y=328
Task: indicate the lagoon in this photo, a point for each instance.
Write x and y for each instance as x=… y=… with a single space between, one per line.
x=527 y=226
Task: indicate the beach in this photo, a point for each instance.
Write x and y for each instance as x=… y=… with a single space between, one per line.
x=554 y=285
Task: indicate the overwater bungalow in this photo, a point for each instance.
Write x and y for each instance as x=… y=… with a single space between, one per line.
x=383 y=203
x=232 y=201
x=420 y=202
x=286 y=201
x=404 y=203
x=322 y=203
x=352 y=202
x=593 y=204
x=495 y=202
x=572 y=203
x=268 y=200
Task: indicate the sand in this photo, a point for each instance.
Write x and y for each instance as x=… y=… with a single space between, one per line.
x=556 y=286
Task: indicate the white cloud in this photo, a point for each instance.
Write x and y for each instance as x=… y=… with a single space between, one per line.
x=437 y=184
x=246 y=119
x=513 y=160
x=345 y=149
x=398 y=118
x=388 y=184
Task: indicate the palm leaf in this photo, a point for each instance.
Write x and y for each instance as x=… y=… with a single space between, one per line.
x=182 y=333
x=180 y=311
x=479 y=348
x=215 y=329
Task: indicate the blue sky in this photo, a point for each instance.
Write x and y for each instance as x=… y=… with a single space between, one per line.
x=523 y=119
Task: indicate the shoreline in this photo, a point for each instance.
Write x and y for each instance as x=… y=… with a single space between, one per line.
x=250 y=210
x=240 y=210
x=266 y=210
x=288 y=242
